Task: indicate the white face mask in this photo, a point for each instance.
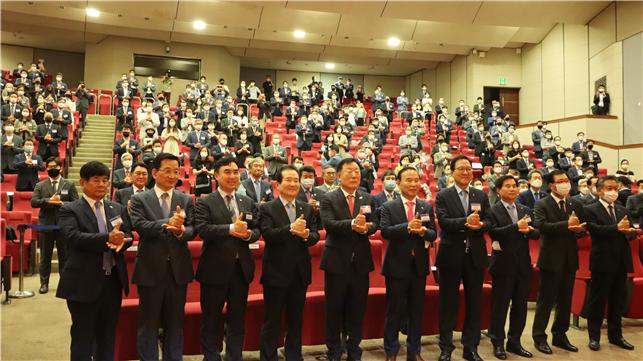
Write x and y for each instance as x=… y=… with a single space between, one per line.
x=610 y=196
x=563 y=188
x=307 y=182
x=536 y=183
x=204 y=154
x=127 y=163
x=583 y=190
x=275 y=141
x=478 y=187
x=497 y=170
x=157 y=150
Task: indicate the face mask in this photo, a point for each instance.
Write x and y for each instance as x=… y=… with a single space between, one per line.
x=590 y=147
x=540 y=127
x=49 y=120
x=625 y=166
x=307 y=182
x=579 y=163
x=557 y=142
x=523 y=189
x=361 y=155
x=548 y=136
x=53 y=173
x=563 y=188
x=497 y=170
x=125 y=105
x=581 y=138
x=389 y=185
x=125 y=134
x=610 y=196
x=223 y=142
x=478 y=187
x=9 y=129
x=550 y=165
x=28 y=148
x=275 y=141
x=198 y=127
x=204 y=154
x=172 y=124
x=536 y=183
x=584 y=190
x=525 y=155
x=157 y=150
x=127 y=163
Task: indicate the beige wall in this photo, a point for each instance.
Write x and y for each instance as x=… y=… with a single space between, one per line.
x=104 y=62
x=487 y=71
x=531 y=91
x=12 y=55
x=609 y=63
x=390 y=84
x=303 y=78
x=630 y=19
x=553 y=74
x=443 y=83
x=458 y=79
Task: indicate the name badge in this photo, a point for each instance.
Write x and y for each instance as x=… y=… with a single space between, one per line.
x=425 y=217
x=268 y=191
x=64 y=192
x=366 y=209
x=64 y=115
x=54 y=131
x=116 y=221
x=253 y=246
x=248 y=216
x=476 y=207
x=203 y=137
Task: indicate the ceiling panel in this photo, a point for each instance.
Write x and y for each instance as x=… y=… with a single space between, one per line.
x=349 y=51
x=382 y=28
x=26 y=22
x=133 y=21
x=52 y=10
x=275 y=18
x=128 y=32
x=462 y=12
x=470 y=35
x=286 y=46
x=214 y=30
x=540 y=13
x=364 y=8
x=413 y=55
x=42 y=41
x=236 y=51
x=530 y=35
x=220 y=13
x=279 y=54
x=165 y=10
x=429 y=47
x=287 y=36
x=207 y=39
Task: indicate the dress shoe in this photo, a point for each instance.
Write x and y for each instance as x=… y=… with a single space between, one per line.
x=391 y=358
x=472 y=356
x=414 y=358
x=43 y=289
x=543 y=347
x=499 y=352
x=563 y=342
x=622 y=344
x=518 y=350
x=445 y=356
x=594 y=345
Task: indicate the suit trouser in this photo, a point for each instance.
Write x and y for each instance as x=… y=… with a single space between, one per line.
x=161 y=306
x=471 y=278
x=346 y=296
x=610 y=287
x=404 y=302
x=513 y=287
x=555 y=288
x=213 y=298
x=47 y=240
x=277 y=301
x=93 y=324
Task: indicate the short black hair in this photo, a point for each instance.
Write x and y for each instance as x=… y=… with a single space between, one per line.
x=164 y=156
x=345 y=162
x=404 y=170
x=57 y=160
x=296 y=158
x=94 y=169
x=388 y=173
x=602 y=180
x=223 y=161
x=624 y=180
x=279 y=176
x=554 y=173
x=502 y=179
x=307 y=168
x=458 y=158
x=639 y=182
x=138 y=164
x=534 y=171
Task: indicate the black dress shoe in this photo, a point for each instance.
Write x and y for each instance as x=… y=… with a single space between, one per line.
x=518 y=350
x=543 y=347
x=563 y=342
x=472 y=356
x=445 y=356
x=622 y=344
x=499 y=352
x=594 y=345
x=43 y=289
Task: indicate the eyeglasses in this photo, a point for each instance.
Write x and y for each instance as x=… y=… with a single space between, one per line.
x=464 y=169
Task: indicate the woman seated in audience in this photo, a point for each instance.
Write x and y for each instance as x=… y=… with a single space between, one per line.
x=339 y=138
x=243 y=148
x=25 y=126
x=171 y=137
x=204 y=172
x=514 y=154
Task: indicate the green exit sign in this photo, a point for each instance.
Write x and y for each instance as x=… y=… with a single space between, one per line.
x=502 y=80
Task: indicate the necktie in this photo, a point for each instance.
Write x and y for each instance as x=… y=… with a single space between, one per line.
x=612 y=215
x=537 y=196
x=389 y=196
x=350 y=199
x=228 y=201
x=409 y=210
x=290 y=209
x=512 y=213
x=108 y=258
x=54 y=185
x=308 y=194
x=258 y=190
x=464 y=199
x=165 y=205
x=561 y=204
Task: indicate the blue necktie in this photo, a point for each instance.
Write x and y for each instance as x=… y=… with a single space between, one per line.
x=464 y=199
x=258 y=190
x=165 y=206
x=292 y=214
x=513 y=213
x=108 y=257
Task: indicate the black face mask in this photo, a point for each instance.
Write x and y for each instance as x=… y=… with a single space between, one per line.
x=590 y=146
x=53 y=173
x=540 y=127
x=125 y=134
x=48 y=120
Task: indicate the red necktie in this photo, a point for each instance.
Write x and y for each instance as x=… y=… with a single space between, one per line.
x=409 y=210
x=350 y=199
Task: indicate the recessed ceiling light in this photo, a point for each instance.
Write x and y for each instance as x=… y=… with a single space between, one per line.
x=329 y=66
x=199 y=24
x=299 y=34
x=393 y=41
x=94 y=13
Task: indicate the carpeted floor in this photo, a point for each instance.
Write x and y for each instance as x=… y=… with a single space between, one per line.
x=38 y=329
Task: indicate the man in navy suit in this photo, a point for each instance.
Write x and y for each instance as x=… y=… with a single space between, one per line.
x=408 y=224
x=139 y=181
x=463 y=215
x=97 y=232
x=388 y=193
x=510 y=267
x=308 y=193
x=256 y=188
x=27 y=165
x=289 y=227
x=227 y=222
x=609 y=262
x=534 y=194
x=164 y=220
x=349 y=217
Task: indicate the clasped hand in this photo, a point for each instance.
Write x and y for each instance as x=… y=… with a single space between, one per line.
x=415 y=226
x=240 y=228
x=574 y=225
x=473 y=221
x=175 y=223
x=359 y=224
x=299 y=228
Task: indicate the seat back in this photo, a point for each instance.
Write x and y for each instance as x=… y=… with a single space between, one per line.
x=257 y=250
x=317 y=283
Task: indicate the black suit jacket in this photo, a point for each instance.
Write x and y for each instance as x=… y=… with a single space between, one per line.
x=123 y=196
x=610 y=248
x=44 y=190
x=220 y=249
x=514 y=255
x=286 y=256
x=523 y=167
x=6 y=111
x=156 y=245
x=380 y=198
x=83 y=276
x=51 y=145
x=558 y=246
x=265 y=189
x=343 y=245
x=400 y=243
x=527 y=199
x=27 y=175
x=453 y=233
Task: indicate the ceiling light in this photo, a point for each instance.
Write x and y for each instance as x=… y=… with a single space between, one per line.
x=94 y=13
x=299 y=34
x=393 y=41
x=329 y=66
x=199 y=24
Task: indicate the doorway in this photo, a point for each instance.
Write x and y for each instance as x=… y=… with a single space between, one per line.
x=509 y=100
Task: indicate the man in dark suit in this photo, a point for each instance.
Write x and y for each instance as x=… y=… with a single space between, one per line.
x=634 y=204
x=126 y=144
x=197 y=139
x=584 y=196
x=349 y=217
x=624 y=190
x=48 y=136
x=227 y=222
x=123 y=176
x=579 y=145
x=275 y=154
x=62 y=117
x=97 y=232
x=329 y=178
x=256 y=188
x=140 y=178
x=591 y=158
x=308 y=193
x=49 y=195
x=27 y=164
x=575 y=172
x=124 y=114
x=510 y=267
x=12 y=108
x=408 y=224
x=558 y=218
x=524 y=164
x=609 y=262
x=463 y=215
x=388 y=193
x=289 y=227
x=11 y=145
x=566 y=162
x=535 y=193
x=164 y=220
